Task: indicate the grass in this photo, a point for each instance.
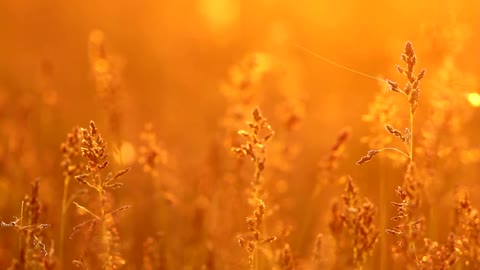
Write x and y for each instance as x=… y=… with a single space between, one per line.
x=129 y=198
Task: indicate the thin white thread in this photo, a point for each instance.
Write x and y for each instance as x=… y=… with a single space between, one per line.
x=316 y=55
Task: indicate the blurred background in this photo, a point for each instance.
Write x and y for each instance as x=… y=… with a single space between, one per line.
x=172 y=64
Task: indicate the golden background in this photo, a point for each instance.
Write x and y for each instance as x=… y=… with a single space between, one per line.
x=173 y=66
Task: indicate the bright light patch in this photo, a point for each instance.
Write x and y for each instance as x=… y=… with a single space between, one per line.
x=125 y=154
x=219 y=14
x=474 y=99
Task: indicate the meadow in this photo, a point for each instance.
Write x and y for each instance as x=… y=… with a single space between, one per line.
x=227 y=134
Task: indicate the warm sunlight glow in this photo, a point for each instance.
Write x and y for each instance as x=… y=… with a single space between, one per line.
x=125 y=155
x=239 y=134
x=474 y=99
x=219 y=14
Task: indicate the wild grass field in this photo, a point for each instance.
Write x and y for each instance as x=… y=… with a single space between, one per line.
x=228 y=134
